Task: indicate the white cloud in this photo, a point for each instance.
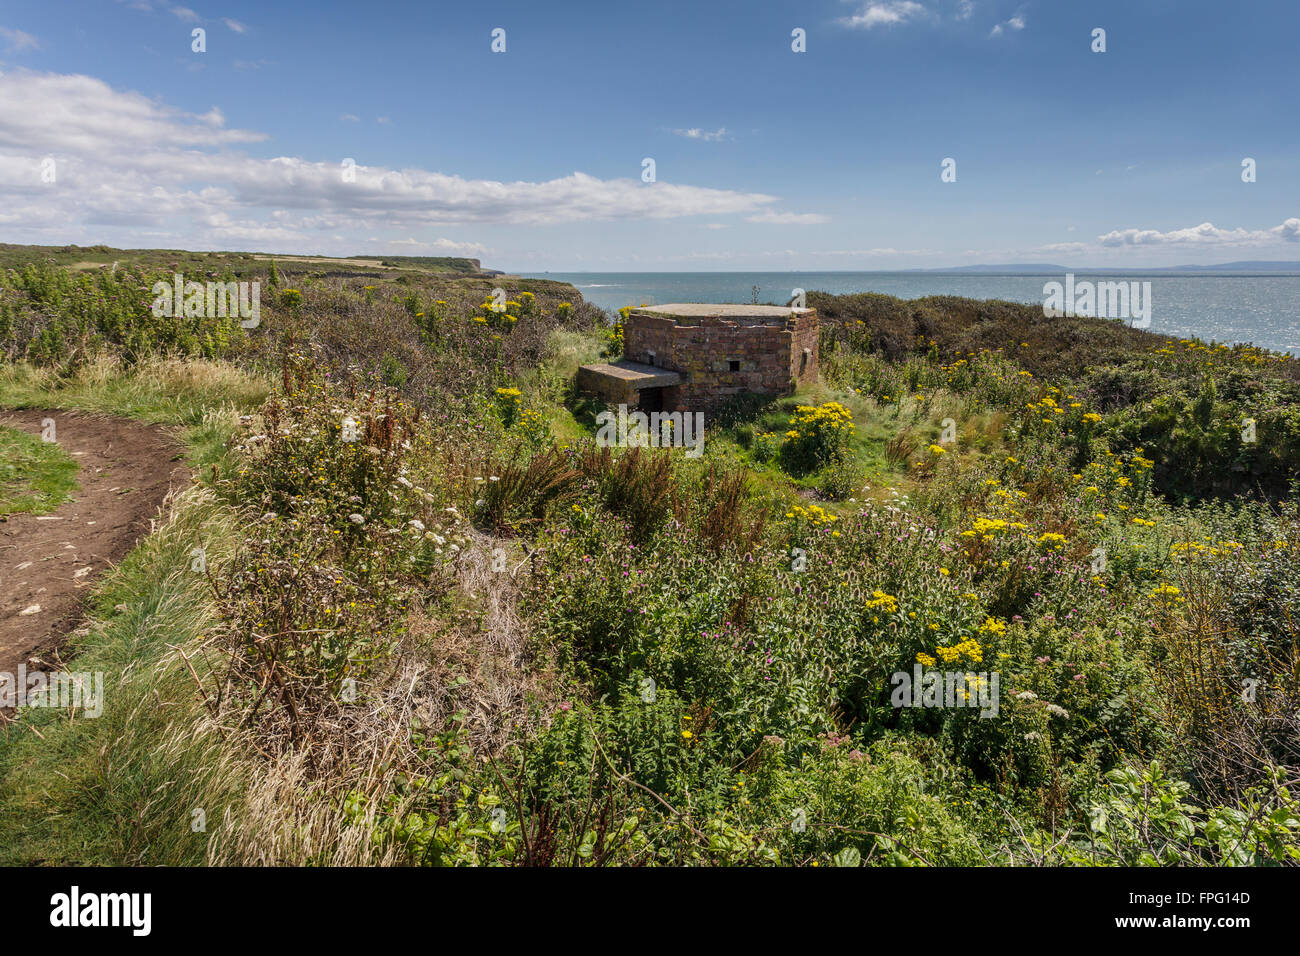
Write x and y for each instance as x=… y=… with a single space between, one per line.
x=128 y=160
x=1015 y=23
x=234 y=25
x=185 y=13
x=1206 y=234
x=42 y=113
x=886 y=13
x=889 y=13
x=16 y=41
x=788 y=218
x=703 y=134
x=213 y=117
x=447 y=246
x=350 y=117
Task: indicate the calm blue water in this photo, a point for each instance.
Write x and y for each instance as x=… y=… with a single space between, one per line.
x=1260 y=309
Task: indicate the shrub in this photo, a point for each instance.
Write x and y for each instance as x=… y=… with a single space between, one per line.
x=1147 y=819
x=816 y=438
x=517 y=496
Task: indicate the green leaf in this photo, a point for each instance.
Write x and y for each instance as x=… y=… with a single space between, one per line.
x=849 y=856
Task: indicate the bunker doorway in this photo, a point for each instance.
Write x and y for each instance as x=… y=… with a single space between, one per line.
x=650 y=399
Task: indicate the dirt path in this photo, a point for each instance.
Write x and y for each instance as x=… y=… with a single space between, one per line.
x=47 y=562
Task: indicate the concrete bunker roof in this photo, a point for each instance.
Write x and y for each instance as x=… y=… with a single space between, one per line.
x=725 y=310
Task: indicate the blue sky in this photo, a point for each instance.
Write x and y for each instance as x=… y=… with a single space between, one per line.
x=765 y=158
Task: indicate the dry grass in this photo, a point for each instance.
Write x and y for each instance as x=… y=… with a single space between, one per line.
x=480 y=662
x=1226 y=738
x=507 y=674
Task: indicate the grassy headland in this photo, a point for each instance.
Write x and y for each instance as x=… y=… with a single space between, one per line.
x=471 y=636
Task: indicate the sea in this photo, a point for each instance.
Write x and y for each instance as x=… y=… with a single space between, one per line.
x=1258 y=309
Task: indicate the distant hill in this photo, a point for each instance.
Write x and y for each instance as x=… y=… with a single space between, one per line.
x=238 y=263
x=1249 y=266
x=437 y=264
x=1042 y=268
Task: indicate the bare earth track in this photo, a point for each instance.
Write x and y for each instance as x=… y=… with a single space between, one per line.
x=48 y=561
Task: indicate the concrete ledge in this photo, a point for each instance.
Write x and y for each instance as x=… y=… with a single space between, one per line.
x=629 y=375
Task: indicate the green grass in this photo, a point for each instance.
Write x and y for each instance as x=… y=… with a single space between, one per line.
x=195 y=394
x=875 y=424
x=566 y=351
x=35 y=476
x=123 y=788
x=873 y=427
